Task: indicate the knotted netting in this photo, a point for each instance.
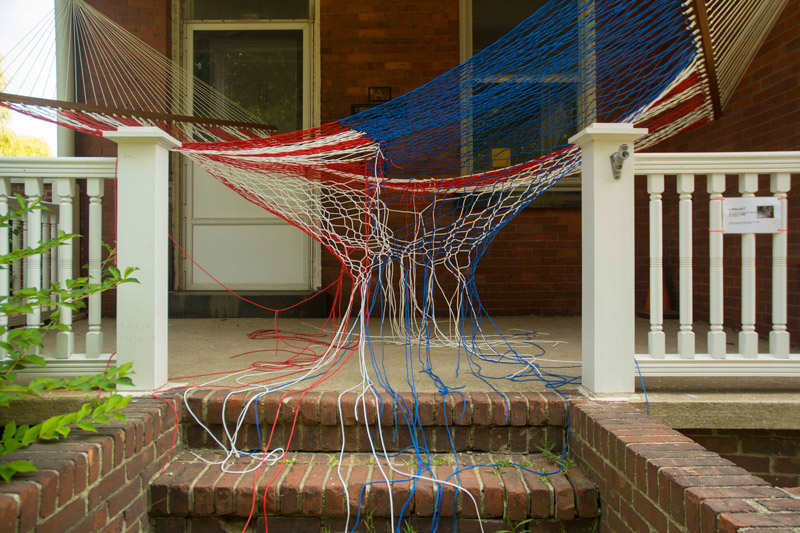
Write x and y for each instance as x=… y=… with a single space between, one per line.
x=409 y=194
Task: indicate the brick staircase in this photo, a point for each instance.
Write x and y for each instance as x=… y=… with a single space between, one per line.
x=306 y=492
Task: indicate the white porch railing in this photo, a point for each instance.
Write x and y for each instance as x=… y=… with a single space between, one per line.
x=608 y=263
x=142 y=176
x=680 y=170
x=56 y=180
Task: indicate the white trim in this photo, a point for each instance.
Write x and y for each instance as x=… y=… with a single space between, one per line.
x=58 y=167
x=734 y=365
x=311 y=116
x=77 y=365
x=465 y=29
x=717 y=163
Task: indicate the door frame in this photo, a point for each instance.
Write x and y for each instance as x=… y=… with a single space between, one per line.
x=311 y=110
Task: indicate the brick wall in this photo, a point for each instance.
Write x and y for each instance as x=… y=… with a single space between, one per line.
x=91 y=481
x=148 y=20
x=400 y=44
x=652 y=478
x=763 y=114
x=773 y=455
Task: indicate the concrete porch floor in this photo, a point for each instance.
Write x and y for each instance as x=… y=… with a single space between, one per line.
x=206 y=346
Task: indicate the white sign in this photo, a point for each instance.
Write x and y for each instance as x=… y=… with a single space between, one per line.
x=751 y=215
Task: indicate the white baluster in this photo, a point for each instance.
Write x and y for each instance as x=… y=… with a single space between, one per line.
x=46 y=256
x=716 y=335
x=656 y=341
x=685 y=188
x=779 y=337
x=5 y=277
x=34 y=190
x=17 y=242
x=94 y=337
x=65 y=188
x=748 y=338
x=54 y=251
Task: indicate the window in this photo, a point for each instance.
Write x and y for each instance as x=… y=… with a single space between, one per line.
x=544 y=114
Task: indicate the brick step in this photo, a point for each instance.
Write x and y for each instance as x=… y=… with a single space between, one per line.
x=307 y=492
x=474 y=422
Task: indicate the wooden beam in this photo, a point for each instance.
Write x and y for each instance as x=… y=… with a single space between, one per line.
x=708 y=54
x=88 y=108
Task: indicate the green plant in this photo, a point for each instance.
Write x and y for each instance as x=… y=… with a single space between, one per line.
x=20 y=345
x=369 y=524
x=408 y=528
x=442 y=461
x=568 y=463
x=546 y=448
x=515 y=526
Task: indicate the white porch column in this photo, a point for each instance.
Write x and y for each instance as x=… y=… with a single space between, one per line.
x=608 y=260
x=142 y=226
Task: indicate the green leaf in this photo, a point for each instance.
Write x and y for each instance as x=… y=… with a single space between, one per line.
x=86 y=410
x=86 y=425
x=31 y=435
x=48 y=426
x=8 y=470
x=10 y=430
x=36 y=360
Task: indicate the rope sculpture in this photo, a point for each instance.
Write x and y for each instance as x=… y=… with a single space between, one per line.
x=409 y=195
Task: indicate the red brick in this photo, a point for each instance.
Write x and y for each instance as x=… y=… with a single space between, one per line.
x=650 y=512
x=516 y=497
x=462 y=410
x=587 y=496
x=159 y=488
x=94 y=521
x=492 y=493
x=711 y=509
x=556 y=409
x=204 y=490
x=48 y=487
x=471 y=495
x=786 y=465
x=781 y=505
x=28 y=494
x=446 y=494
x=70 y=514
x=290 y=489
x=267 y=490
x=123 y=497
x=137 y=510
x=9 y=510
x=481 y=409
x=442 y=409
x=329 y=409
x=139 y=462
x=309 y=408
x=629 y=513
x=518 y=406
x=334 y=493
x=424 y=498
x=734 y=521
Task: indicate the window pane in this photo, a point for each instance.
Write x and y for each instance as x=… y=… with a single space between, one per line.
x=262 y=70
x=491 y=19
x=248 y=9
